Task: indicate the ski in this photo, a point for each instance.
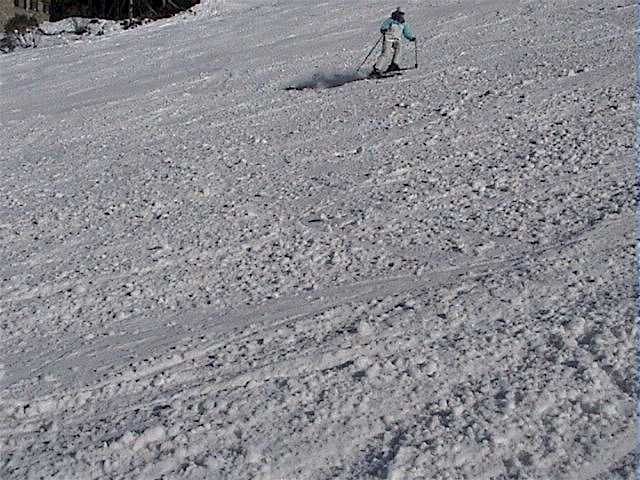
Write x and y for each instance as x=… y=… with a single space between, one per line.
x=395 y=73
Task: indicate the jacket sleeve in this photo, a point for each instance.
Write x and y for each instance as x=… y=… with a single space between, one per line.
x=386 y=25
x=408 y=33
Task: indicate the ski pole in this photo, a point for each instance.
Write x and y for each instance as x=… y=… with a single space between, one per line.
x=416 y=50
x=369 y=54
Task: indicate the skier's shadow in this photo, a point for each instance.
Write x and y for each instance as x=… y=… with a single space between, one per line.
x=323 y=80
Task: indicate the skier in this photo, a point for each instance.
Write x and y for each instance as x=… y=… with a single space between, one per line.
x=393 y=29
x=19 y=37
x=30 y=38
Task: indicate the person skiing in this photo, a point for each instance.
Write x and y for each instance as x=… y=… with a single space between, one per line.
x=393 y=29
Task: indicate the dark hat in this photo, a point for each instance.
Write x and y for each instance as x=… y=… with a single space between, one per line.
x=397 y=14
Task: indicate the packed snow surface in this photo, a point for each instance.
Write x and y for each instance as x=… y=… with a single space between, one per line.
x=206 y=275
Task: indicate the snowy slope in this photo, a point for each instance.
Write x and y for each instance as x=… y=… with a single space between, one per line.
x=208 y=276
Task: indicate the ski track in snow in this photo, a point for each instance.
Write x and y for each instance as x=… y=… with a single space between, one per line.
x=206 y=275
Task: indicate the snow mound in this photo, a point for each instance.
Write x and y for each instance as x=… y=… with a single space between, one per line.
x=218 y=7
x=208 y=7
x=79 y=25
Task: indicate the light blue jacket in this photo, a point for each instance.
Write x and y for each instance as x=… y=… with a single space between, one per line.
x=406 y=29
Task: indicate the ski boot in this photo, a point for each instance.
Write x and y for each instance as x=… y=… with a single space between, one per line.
x=375 y=73
x=392 y=68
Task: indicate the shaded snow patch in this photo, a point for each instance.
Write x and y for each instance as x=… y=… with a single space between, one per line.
x=325 y=80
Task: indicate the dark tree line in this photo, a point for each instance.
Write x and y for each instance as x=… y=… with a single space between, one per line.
x=117 y=9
